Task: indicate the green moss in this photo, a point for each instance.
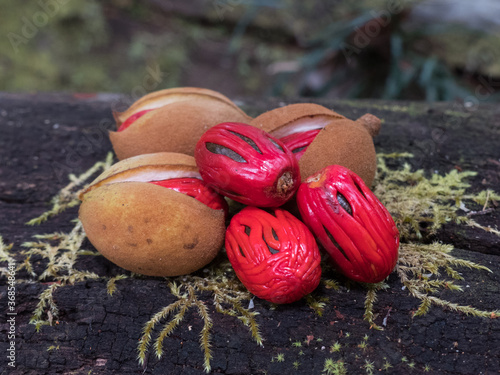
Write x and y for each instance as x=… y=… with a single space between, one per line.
x=111 y=285
x=228 y=297
x=414 y=200
x=331 y=367
x=68 y=196
x=5 y=255
x=417 y=201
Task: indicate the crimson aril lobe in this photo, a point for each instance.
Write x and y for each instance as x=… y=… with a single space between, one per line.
x=129 y=121
x=298 y=142
x=196 y=188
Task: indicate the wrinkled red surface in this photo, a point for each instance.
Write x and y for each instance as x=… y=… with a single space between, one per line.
x=298 y=142
x=363 y=246
x=281 y=269
x=132 y=119
x=254 y=179
x=197 y=189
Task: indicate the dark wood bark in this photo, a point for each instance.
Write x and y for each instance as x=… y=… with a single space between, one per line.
x=43 y=138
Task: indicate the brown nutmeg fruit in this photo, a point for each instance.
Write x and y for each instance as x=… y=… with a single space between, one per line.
x=137 y=223
x=171 y=120
x=320 y=137
x=347 y=143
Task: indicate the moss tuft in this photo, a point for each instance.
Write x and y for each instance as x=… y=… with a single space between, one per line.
x=228 y=297
x=68 y=196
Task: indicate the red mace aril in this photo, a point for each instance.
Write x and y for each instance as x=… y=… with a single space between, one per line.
x=351 y=224
x=298 y=142
x=296 y=125
x=133 y=118
x=197 y=189
x=247 y=165
x=273 y=254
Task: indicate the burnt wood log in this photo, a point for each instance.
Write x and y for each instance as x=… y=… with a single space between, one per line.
x=45 y=137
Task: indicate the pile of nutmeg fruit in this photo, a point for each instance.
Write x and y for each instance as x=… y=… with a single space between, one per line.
x=301 y=174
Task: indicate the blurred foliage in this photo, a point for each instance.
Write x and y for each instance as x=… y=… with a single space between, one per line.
x=334 y=48
x=372 y=50
x=81 y=47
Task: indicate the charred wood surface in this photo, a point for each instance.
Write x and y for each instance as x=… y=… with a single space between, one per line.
x=43 y=138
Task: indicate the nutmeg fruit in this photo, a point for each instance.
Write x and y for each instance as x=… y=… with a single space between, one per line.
x=148 y=228
x=320 y=137
x=171 y=120
x=347 y=143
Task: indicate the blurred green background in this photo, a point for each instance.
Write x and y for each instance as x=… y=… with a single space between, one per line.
x=414 y=50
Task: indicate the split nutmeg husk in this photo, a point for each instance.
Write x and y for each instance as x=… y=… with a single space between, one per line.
x=160 y=98
x=298 y=117
x=347 y=143
x=341 y=141
x=177 y=119
x=146 y=228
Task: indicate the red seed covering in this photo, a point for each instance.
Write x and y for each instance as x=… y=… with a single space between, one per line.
x=247 y=165
x=351 y=224
x=132 y=119
x=298 y=142
x=196 y=188
x=273 y=254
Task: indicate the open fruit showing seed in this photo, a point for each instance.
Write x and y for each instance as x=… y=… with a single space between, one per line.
x=171 y=120
x=347 y=143
x=296 y=125
x=351 y=224
x=133 y=118
x=247 y=164
x=273 y=254
x=295 y=118
x=157 y=99
x=197 y=189
x=135 y=216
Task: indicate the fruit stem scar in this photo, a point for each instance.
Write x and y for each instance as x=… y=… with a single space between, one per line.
x=285 y=183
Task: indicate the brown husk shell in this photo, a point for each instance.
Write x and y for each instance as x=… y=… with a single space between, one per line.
x=343 y=142
x=145 y=162
x=277 y=118
x=151 y=230
x=168 y=96
x=175 y=127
